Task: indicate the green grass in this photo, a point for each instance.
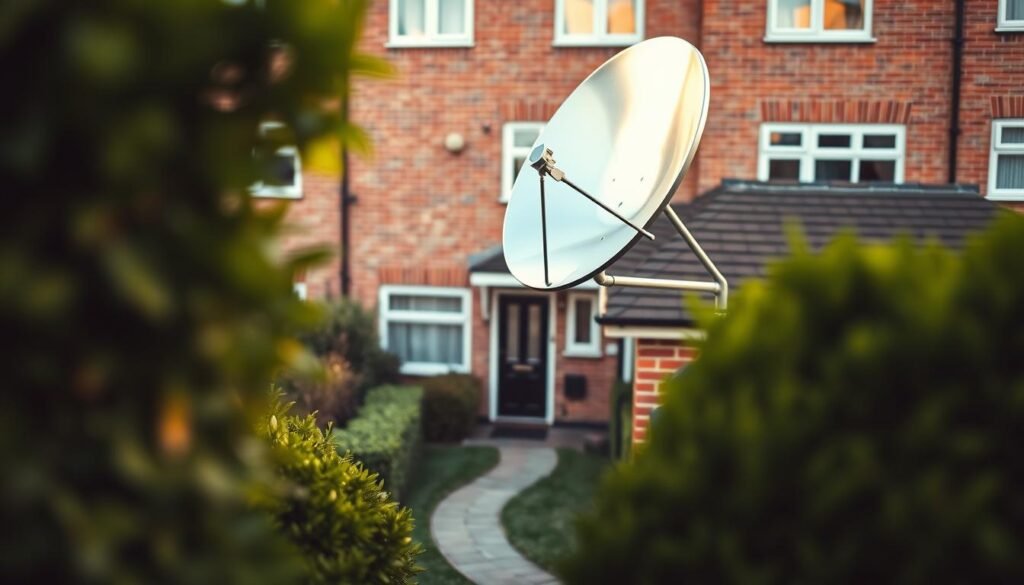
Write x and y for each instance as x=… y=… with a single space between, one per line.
x=540 y=521
x=442 y=470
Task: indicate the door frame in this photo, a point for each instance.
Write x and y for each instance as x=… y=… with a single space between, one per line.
x=549 y=379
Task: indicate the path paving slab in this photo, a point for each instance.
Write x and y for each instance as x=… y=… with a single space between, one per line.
x=467 y=524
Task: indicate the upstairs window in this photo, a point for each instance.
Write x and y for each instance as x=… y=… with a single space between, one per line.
x=818 y=21
x=279 y=163
x=613 y=23
x=517 y=140
x=831 y=152
x=1011 y=15
x=1006 y=160
x=582 y=332
x=431 y=23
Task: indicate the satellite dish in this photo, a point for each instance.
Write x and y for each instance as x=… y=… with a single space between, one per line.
x=623 y=139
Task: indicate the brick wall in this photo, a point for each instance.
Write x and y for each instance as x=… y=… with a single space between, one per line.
x=654 y=361
x=993 y=87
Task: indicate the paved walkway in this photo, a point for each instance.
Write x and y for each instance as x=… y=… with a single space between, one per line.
x=467 y=524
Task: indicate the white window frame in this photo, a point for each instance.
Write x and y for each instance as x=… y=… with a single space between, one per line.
x=996 y=149
x=816 y=33
x=587 y=350
x=293 y=191
x=1003 y=24
x=600 y=37
x=509 y=151
x=299 y=288
x=809 y=151
x=386 y=315
x=431 y=38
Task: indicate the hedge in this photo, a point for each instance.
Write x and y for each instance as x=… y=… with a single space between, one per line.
x=385 y=436
x=334 y=510
x=450 y=406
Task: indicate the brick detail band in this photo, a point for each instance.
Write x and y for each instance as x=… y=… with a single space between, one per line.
x=837 y=111
x=445 y=276
x=1007 y=106
x=528 y=110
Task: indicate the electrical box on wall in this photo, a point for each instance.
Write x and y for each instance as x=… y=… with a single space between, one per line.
x=575 y=386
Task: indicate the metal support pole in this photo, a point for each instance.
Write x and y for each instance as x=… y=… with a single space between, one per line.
x=722 y=298
x=544 y=229
x=639 y=229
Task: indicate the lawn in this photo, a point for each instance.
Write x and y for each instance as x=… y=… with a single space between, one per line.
x=442 y=470
x=540 y=521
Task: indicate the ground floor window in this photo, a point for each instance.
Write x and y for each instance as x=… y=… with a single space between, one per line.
x=1006 y=160
x=428 y=328
x=582 y=333
x=854 y=153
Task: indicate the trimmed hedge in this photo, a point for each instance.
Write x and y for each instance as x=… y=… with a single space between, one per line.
x=334 y=510
x=450 y=406
x=385 y=436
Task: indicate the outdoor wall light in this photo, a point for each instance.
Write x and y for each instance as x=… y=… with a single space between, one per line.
x=454 y=143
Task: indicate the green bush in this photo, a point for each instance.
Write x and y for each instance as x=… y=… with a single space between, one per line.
x=385 y=436
x=857 y=418
x=450 y=406
x=336 y=512
x=145 y=308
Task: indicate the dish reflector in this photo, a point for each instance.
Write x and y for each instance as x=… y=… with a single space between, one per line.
x=625 y=137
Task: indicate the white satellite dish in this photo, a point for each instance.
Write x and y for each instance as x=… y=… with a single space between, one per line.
x=624 y=140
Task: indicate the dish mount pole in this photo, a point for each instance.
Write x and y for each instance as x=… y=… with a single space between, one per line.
x=542 y=159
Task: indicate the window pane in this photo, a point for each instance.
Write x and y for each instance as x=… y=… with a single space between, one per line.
x=878 y=170
x=426 y=342
x=280 y=172
x=452 y=20
x=1010 y=172
x=1013 y=134
x=582 y=323
x=788 y=170
x=793 y=14
x=512 y=334
x=411 y=18
x=832 y=170
x=524 y=137
x=834 y=141
x=533 y=331
x=435 y=304
x=844 y=14
x=1014 y=9
x=879 y=141
x=579 y=17
x=786 y=139
x=621 y=17
x=517 y=163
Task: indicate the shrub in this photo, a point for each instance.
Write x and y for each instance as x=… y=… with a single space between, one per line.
x=349 y=331
x=450 y=406
x=137 y=283
x=334 y=510
x=855 y=419
x=385 y=436
x=329 y=393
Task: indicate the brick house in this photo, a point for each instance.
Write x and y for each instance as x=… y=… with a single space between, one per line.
x=801 y=90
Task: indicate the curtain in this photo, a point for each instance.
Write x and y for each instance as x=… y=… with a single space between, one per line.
x=1010 y=171
x=452 y=19
x=430 y=343
x=1014 y=9
x=621 y=17
x=793 y=14
x=432 y=304
x=579 y=17
x=411 y=18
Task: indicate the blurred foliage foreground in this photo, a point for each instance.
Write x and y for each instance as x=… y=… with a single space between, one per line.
x=856 y=418
x=144 y=312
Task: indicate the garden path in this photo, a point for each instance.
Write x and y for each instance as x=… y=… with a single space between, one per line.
x=467 y=524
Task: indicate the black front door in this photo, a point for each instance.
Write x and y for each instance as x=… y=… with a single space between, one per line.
x=522 y=356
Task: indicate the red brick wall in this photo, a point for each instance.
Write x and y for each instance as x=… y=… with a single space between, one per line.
x=993 y=87
x=313 y=221
x=654 y=360
x=421 y=206
x=909 y=65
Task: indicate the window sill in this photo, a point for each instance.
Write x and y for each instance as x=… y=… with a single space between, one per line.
x=268 y=194
x=462 y=44
x=811 y=40
x=424 y=369
x=583 y=353
x=1011 y=197
x=1010 y=28
x=594 y=42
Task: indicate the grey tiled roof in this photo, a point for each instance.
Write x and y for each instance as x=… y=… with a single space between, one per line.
x=743 y=226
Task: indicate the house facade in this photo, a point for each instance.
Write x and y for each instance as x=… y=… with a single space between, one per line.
x=801 y=90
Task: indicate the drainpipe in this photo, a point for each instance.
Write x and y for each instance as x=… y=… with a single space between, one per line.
x=954 y=110
x=343 y=209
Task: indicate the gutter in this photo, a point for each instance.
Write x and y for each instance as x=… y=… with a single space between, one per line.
x=954 y=110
